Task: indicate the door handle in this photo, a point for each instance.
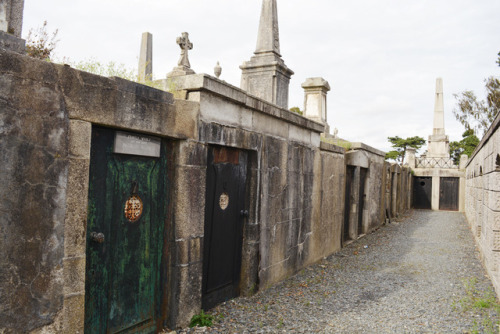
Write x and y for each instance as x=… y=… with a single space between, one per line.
x=97 y=237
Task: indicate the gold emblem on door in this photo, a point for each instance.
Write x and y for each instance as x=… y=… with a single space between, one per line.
x=133 y=208
x=224 y=201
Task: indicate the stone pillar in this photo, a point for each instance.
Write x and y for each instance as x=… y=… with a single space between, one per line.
x=439 y=146
x=11 y=23
x=436 y=184
x=410 y=157
x=464 y=159
x=11 y=16
x=4 y=10
x=315 y=102
x=266 y=75
x=146 y=58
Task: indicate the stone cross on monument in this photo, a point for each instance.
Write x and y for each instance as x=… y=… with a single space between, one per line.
x=183 y=66
x=185 y=45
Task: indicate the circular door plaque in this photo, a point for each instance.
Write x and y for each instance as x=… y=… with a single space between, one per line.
x=224 y=201
x=133 y=208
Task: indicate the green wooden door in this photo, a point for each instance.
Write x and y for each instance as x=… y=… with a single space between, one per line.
x=126 y=214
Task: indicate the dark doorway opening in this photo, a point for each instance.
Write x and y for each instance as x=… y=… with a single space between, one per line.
x=422 y=193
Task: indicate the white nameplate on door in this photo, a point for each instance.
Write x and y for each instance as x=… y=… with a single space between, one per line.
x=134 y=144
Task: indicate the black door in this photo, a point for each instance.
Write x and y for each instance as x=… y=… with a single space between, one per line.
x=422 y=192
x=349 y=178
x=362 y=196
x=224 y=218
x=448 y=193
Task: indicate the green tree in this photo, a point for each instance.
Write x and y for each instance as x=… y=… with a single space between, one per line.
x=475 y=114
x=40 y=43
x=466 y=146
x=401 y=145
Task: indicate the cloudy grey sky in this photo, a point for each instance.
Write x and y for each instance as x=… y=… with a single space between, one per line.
x=381 y=58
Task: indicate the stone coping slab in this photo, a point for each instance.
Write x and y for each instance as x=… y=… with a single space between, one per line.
x=204 y=82
x=331 y=148
x=364 y=147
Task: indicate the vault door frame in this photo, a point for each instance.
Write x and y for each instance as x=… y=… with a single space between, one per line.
x=348 y=203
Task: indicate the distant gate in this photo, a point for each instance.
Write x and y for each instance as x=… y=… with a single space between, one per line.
x=448 y=193
x=422 y=193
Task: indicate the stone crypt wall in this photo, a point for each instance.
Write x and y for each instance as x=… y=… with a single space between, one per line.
x=362 y=156
x=294 y=196
x=289 y=168
x=482 y=200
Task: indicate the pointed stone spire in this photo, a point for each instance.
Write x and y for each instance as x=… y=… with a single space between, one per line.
x=266 y=75
x=439 y=145
x=439 y=109
x=146 y=58
x=268 y=39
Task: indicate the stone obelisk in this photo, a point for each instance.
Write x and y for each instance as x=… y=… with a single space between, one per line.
x=146 y=58
x=266 y=75
x=439 y=146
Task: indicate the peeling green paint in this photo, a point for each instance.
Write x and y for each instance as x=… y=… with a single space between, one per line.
x=122 y=276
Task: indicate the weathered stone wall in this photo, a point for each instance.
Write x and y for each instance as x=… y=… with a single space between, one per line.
x=329 y=191
x=404 y=196
x=34 y=150
x=482 y=200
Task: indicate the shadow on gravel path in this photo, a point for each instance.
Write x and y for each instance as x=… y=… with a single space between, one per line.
x=407 y=277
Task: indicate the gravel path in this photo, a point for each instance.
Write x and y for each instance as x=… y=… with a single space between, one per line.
x=407 y=277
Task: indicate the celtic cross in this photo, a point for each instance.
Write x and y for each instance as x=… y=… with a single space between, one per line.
x=185 y=46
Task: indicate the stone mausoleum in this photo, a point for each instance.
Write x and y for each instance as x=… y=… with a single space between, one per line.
x=438 y=183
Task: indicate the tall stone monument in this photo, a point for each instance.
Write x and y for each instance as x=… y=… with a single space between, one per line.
x=11 y=24
x=439 y=144
x=146 y=58
x=266 y=75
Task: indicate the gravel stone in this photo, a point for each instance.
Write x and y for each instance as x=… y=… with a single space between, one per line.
x=406 y=277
